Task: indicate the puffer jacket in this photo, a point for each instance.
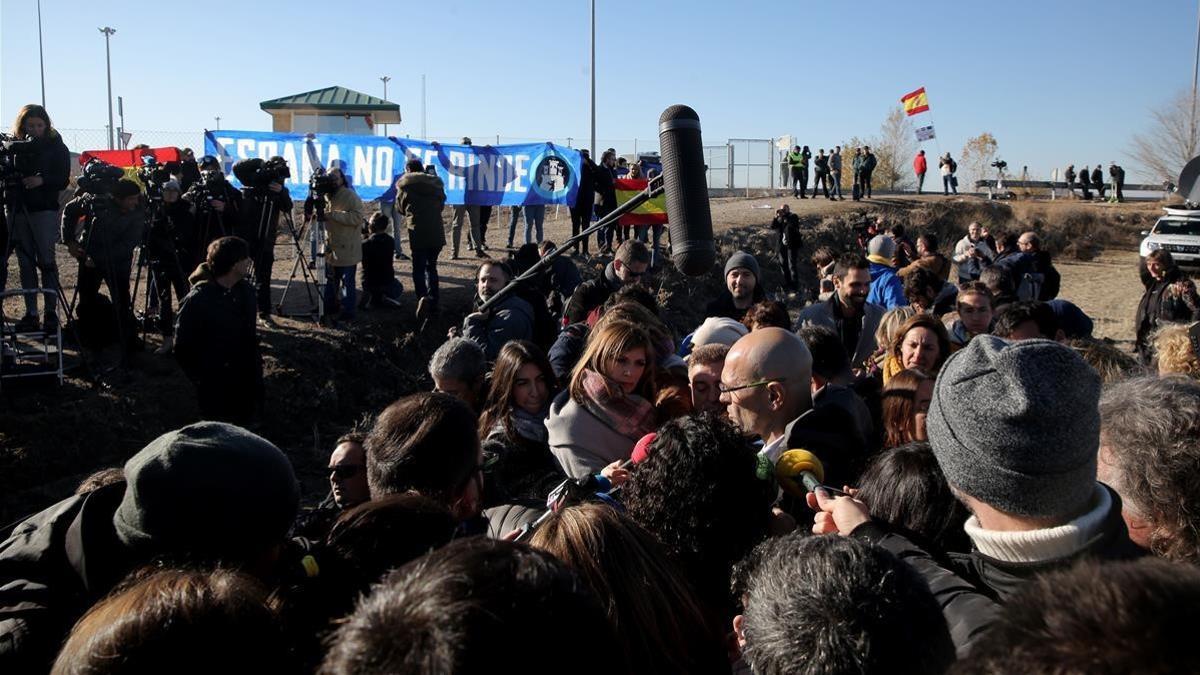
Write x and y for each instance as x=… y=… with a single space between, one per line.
x=421 y=198
x=887 y=289
x=343 y=228
x=49 y=158
x=511 y=319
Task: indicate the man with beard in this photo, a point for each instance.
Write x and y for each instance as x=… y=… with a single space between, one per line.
x=510 y=319
x=847 y=311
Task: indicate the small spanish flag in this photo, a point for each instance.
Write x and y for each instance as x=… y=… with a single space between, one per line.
x=652 y=212
x=915 y=102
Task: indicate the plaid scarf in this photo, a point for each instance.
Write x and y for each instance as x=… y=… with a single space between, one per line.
x=628 y=414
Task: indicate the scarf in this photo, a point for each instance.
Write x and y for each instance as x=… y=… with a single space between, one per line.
x=628 y=414
x=529 y=426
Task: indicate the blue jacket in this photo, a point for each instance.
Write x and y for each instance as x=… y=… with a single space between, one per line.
x=887 y=289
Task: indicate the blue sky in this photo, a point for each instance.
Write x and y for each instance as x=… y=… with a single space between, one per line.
x=1054 y=81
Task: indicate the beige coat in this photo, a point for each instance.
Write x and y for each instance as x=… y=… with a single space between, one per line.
x=343 y=229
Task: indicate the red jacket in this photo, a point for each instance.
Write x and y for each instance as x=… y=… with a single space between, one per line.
x=919 y=165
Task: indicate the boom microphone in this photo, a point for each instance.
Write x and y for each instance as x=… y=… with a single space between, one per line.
x=686 y=189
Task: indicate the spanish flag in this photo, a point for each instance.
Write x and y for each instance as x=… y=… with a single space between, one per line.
x=652 y=212
x=915 y=102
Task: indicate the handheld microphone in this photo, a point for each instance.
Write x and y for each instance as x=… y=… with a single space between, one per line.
x=688 y=214
x=800 y=472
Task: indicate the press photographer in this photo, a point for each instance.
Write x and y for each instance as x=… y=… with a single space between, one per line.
x=170 y=253
x=343 y=213
x=34 y=168
x=101 y=231
x=264 y=199
x=216 y=204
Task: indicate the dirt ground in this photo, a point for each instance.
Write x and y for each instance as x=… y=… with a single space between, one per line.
x=320 y=382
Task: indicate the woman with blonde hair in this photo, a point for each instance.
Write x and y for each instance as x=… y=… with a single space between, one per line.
x=885 y=334
x=44 y=167
x=610 y=401
x=1177 y=346
x=921 y=342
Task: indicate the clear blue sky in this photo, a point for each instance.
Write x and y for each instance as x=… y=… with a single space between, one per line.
x=1077 y=79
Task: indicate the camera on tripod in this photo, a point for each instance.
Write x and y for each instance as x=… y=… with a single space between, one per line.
x=322 y=183
x=99 y=177
x=1000 y=164
x=10 y=148
x=153 y=175
x=258 y=174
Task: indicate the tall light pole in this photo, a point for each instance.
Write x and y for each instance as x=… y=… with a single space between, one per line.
x=385 y=79
x=218 y=119
x=1195 y=72
x=108 y=62
x=423 y=136
x=594 y=80
x=41 y=59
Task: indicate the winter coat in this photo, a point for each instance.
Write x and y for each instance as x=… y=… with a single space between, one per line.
x=835 y=161
x=723 y=304
x=1172 y=300
x=606 y=190
x=511 y=319
x=107 y=237
x=216 y=338
x=887 y=289
x=869 y=163
x=343 y=228
x=567 y=349
x=580 y=441
x=821 y=165
x=53 y=567
x=788 y=228
x=591 y=294
x=377 y=253
x=920 y=166
x=521 y=469
x=971 y=588
x=970 y=267
x=49 y=158
x=857 y=163
x=421 y=198
x=843 y=397
x=1097 y=177
x=825 y=314
x=1051 y=280
x=831 y=432
x=586 y=196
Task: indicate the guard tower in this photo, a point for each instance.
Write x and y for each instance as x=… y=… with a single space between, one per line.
x=332 y=110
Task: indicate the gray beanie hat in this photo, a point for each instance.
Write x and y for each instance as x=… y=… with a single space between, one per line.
x=209 y=491
x=718 y=330
x=1016 y=425
x=881 y=249
x=743 y=259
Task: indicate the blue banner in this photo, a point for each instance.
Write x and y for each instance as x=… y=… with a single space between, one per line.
x=504 y=175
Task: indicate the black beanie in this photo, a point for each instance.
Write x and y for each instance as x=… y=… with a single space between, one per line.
x=209 y=491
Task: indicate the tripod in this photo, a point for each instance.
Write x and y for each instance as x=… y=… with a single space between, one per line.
x=300 y=266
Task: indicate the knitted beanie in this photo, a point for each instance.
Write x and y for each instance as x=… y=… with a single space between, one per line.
x=718 y=330
x=209 y=491
x=881 y=249
x=744 y=260
x=1016 y=425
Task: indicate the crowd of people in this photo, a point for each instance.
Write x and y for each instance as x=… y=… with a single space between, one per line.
x=911 y=474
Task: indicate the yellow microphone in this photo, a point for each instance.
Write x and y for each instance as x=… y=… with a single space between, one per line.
x=799 y=472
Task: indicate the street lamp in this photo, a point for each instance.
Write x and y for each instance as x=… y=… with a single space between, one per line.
x=218 y=119
x=385 y=79
x=108 y=62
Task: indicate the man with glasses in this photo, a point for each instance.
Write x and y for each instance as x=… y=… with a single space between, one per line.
x=766 y=386
x=347 y=472
x=629 y=266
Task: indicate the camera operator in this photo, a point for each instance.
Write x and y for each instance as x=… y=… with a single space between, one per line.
x=169 y=248
x=42 y=170
x=787 y=224
x=189 y=170
x=343 y=247
x=112 y=227
x=264 y=199
x=215 y=203
x=216 y=337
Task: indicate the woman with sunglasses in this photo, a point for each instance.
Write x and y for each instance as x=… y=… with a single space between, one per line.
x=516 y=451
x=609 y=405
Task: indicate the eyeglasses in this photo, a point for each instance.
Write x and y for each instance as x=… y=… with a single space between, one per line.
x=345 y=471
x=729 y=390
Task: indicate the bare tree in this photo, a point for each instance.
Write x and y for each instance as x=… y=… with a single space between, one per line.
x=976 y=158
x=1171 y=140
x=894 y=149
x=848 y=148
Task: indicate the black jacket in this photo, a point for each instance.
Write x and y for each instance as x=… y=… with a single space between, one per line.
x=49 y=158
x=216 y=338
x=788 y=228
x=587 y=185
x=377 y=252
x=723 y=306
x=970 y=588
x=591 y=294
x=98 y=226
x=567 y=349
x=252 y=226
x=606 y=188
x=53 y=567
x=1051 y=279
x=1097 y=177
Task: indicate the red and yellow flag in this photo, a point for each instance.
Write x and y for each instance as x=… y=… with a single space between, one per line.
x=915 y=102
x=652 y=212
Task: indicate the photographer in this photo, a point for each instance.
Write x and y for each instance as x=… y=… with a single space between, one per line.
x=216 y=337
x=215 y=203
x=42 y=165
x=169 y=249
x=787 y=224
x=112 y=227
x=343 y=247
x=264 y=199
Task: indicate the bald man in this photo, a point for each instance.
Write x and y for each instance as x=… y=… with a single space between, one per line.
x=766 y=387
